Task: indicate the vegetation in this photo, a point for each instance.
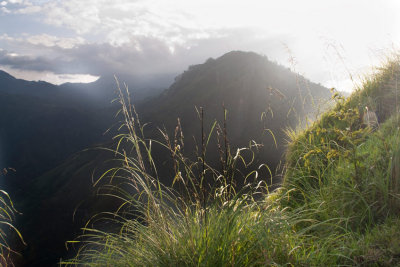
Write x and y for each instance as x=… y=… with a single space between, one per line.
x=338 y=205
x=7 y=211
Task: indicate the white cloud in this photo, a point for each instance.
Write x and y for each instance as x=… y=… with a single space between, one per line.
x=49 y=41
x=5 y=10
x=29 y=9
x=6 y=37
x=81 y=16
x=179 y=21
x=36 y=44
x=3 y=3
x=119 y=21
x=49 y=76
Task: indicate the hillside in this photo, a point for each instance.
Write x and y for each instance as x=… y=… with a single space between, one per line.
x=261 y=98
x=11 y=85
x=246 y=83
x=338 y=205
x=42 y=126
x=38 y=117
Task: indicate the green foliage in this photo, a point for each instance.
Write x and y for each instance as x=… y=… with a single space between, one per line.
x=380 y=246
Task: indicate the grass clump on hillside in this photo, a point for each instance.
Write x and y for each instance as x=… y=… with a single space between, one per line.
x=348 y=171
x=206 y=223
x=338 y=205
x=7 y=212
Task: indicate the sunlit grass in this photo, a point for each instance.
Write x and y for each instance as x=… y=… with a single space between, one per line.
x=7 y=213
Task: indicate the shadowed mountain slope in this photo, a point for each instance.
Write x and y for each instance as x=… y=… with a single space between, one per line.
x=257 y=93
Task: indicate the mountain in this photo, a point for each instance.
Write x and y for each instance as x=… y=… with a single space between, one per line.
x=103 y=90
x=261 y=97
x=44 y=129
x=41 y=126
x=39 y=129
x=11 y=85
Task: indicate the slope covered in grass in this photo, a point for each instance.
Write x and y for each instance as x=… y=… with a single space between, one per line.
x=338 y=205
x=347 y=171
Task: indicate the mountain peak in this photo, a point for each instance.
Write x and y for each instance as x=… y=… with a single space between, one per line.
x=6 y=76
x=237 y=71
x=246 y=82
x=240 y=54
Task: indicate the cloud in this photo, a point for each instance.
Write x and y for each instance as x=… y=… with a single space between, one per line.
x=148 y=57
x=5 y=10
x=142 y=56
x=50 y=40
x=40 y=40
x=19 y=7
x=117 y=22
x=29 y=10
x=138 y=56
x=49 y=76
x=147 y=37
x=24 y=62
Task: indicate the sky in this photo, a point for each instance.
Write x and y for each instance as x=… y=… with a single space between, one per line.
x=332 y=42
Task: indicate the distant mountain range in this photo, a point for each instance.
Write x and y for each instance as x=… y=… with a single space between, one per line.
x=43 y=125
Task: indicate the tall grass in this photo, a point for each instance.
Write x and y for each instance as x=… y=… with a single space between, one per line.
x=204 y=219
x=340 y=198
x=199 y=220
x=7 y=213
x=345 y=170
